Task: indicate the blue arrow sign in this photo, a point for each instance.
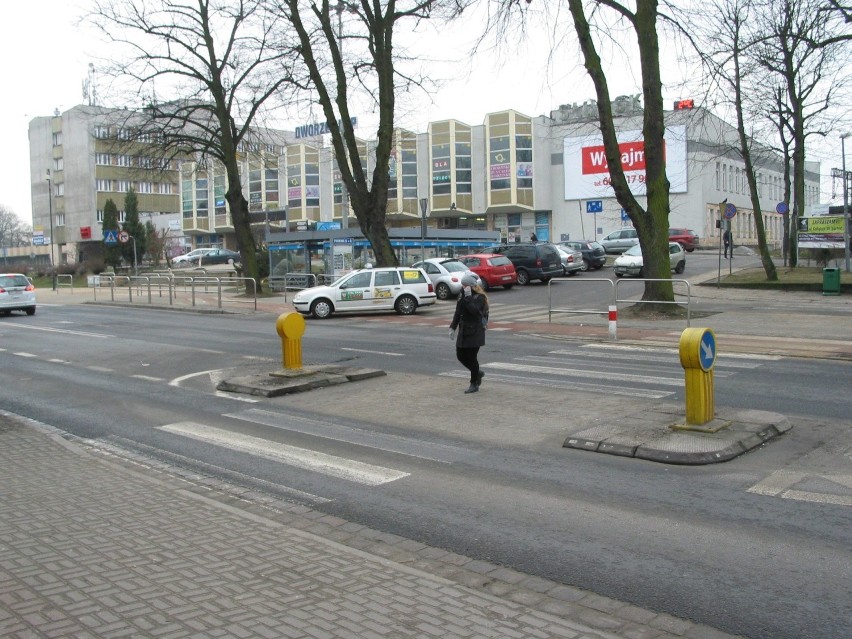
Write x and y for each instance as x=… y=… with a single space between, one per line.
x=594 y=206
x=110 y=237
x=708 y=351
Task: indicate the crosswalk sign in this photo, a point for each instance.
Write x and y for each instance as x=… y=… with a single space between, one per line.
x=110 y=237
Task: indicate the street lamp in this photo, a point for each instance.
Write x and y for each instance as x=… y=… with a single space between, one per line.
x=845 y=199
x=424 y=204
x=50 y=216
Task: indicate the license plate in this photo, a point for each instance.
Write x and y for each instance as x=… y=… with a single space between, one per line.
x=507 y=277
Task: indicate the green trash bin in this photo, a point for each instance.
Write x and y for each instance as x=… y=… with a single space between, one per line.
x=831 y=281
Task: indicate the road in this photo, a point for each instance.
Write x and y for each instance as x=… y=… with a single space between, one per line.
x=717 y=544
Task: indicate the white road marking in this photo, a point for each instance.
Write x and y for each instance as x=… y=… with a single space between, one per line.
x=99 y=369
x=364 y=350
x=629 y=347
x=647 y=393
x=22 y=354
x=566 y=372
x=780 y=484
x=64 y=331
x=339 y=467
x=148 y=378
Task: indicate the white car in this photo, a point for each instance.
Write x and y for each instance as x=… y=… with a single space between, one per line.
x=630 y=262
x=446 y=274
x=393 y=288
x=193 y=258
x=17 y=293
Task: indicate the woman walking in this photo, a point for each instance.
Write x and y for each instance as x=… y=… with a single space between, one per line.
x=468 y=327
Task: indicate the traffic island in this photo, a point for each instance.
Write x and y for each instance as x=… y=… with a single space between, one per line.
x=659 y=435
x=296 y=380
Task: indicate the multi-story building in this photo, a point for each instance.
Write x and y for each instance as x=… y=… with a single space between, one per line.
x=513 y=174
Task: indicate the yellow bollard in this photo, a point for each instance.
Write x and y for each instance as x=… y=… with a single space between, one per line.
x=697 y=356
x=291 y=327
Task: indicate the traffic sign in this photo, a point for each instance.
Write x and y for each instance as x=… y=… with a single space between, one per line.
x=110 y=237
x=707 y=352
x=594 y=206
x=730 y=211
x=782 y=208
x=123 y=237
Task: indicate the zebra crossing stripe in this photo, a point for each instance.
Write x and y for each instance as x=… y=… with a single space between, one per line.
x=312 y=460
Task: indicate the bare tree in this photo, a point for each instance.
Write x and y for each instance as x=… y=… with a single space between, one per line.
x=222 y=61
x=731 y=66
x=13 y=231
x=651 y=223
x=368 y=66
x=799 y=47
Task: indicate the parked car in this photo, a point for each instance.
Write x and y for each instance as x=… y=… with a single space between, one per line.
x=492 y=269
x=17 y=293
x=394 y=288
x=630 y=262
x=687 y=238
x=572 y=261
x=190 y=259
x=619 y=241
x=594 y=255
x=532 y=260
x=446 y=274
x=220 y=256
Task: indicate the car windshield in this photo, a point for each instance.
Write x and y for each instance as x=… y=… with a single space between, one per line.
x=454 y=266
x=595 y=245
x=634 y=250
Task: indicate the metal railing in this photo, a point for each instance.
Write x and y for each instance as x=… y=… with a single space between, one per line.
x=175 y=284
x=616 y=299
x=65 y=278
x=292 y=282
x=551 y=310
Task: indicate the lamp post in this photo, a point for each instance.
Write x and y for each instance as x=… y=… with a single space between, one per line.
x=50 y=217
x=845 y=199
x=424 y=204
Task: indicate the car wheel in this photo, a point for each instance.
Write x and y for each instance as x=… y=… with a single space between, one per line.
x=681 y=267
x=508 y=286
x=406 y=305
x=641 y=273
x=574 y=272
x=485 y=285
x=585 y=266
x=523 y=278
x=31 y=310
x=690 y=250
x=442 y=291
x=230 y=261
x=321 y=308
x=618 y=274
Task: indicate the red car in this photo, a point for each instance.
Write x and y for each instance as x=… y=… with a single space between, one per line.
x=493 y=270
x=687 y=238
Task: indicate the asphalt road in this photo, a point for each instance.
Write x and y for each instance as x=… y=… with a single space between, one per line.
x=710 y=544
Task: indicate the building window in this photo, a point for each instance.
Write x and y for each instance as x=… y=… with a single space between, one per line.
x=441 y=178
x=202 y=202
x=57 y=139
x=122 y=186
x=271 y=187
x=59 y=189
x=463 y=167
x=103 y=159
x=144 y=187
x=99 y=216
x=524 y=154
x=103 y=185
x=60 y=219
x=312 y=180
x=58 y=164
x=123 y=160
x=101 y=132
x=125 y=134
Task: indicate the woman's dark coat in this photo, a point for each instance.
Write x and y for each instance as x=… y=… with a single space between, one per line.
x=468 y=320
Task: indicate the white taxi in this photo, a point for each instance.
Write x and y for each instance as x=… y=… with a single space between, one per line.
x=393 y=288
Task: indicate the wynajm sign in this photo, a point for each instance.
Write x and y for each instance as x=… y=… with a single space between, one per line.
x=319 y=128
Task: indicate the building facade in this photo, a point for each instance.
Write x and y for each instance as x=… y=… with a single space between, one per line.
x=513 y=174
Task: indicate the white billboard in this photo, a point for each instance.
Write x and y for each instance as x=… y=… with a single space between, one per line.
x=587 y=172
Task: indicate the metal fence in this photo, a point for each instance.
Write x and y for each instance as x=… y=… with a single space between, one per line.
x=170 y=287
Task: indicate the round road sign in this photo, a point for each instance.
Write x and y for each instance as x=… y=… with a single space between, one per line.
x=123 y=237
x=730 y=211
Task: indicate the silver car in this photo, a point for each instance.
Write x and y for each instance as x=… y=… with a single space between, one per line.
x=630 y=262
x=572 y=261
x=619 y=241
x=17 y=293
x=446 y=274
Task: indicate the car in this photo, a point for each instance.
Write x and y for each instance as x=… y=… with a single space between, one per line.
x=492 y=269
x=572 y=261
x=594 y=255
x=17 y=293
x=190 y=259
x=446 y=274
x=391 y=288
x=620 y=240
x=220 y=256
x=532 y=260
x=630 y=262
x=687 y=238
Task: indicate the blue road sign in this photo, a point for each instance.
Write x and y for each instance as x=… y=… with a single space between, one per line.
x=110 y=237
x=730 y=211
x=782 y=208
x=624 y=216
x=708 y=351
x=594 y=206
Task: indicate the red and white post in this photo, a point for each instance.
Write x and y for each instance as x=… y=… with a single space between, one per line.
x=613 y=321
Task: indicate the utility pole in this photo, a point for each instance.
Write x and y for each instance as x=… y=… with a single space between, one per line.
x=845 y=199
x=50 y=215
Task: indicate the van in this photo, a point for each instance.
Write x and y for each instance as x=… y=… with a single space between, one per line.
x=532 y=260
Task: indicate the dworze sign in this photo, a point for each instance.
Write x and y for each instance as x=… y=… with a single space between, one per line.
x=319 y=128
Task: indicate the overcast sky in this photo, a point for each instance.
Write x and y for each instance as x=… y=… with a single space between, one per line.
x=46 y=54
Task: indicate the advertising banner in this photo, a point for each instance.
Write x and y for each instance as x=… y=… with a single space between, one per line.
x=587 y=172
x=825 y=231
